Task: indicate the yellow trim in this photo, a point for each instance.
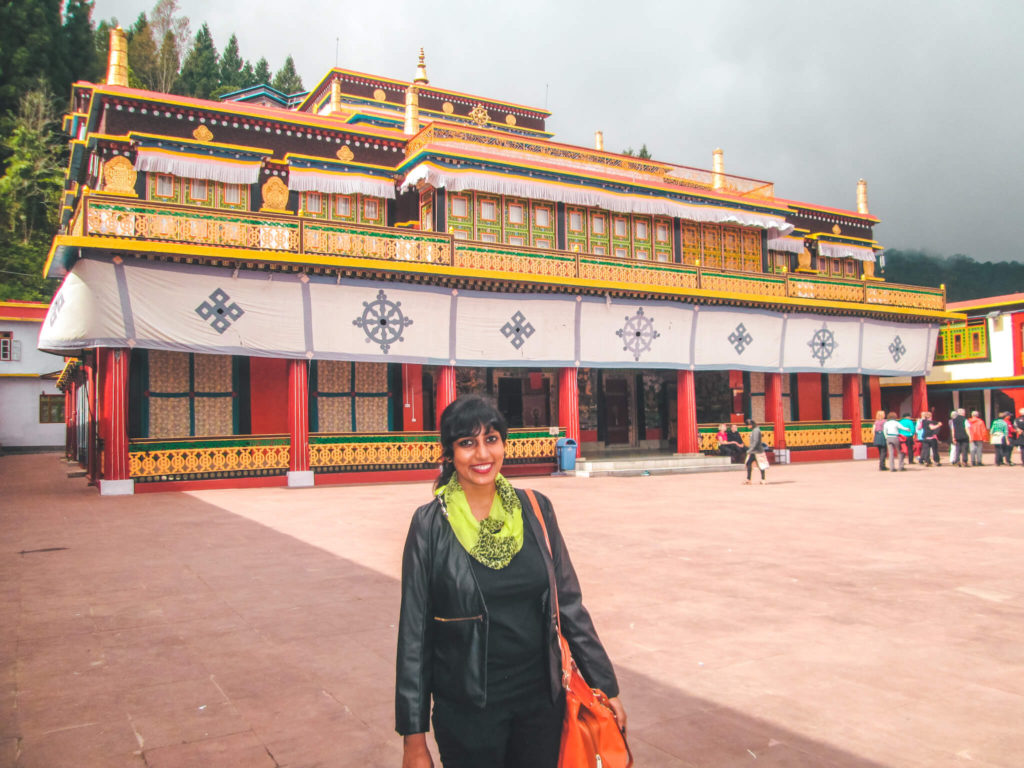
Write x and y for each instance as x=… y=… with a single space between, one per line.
x=956 y=382
x=133 y=135
x=834 y=211
x=982 y=304
x=27 y=304
x=447 y=169
x=335 y=160
x=427 y=88
x=227 y=160
x=287 y=116
x=21 y=375
x=842 y=238
x=392 y=110
x=286 y=258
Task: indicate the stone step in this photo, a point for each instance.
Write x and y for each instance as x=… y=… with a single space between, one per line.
x=635 y=466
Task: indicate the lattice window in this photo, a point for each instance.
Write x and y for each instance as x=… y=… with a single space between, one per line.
x=732 y=248
x=691 y=243
x=751 y=250
x=711 y=252
x=51 y=409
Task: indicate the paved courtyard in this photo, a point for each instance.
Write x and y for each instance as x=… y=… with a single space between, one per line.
x=837 y=616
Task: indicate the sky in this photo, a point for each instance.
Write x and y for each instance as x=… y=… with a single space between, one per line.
x=923 y=99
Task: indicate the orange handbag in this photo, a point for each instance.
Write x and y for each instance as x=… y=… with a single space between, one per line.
x=591 y=737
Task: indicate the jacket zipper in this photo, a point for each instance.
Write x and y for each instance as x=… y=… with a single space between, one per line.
x=478 y=617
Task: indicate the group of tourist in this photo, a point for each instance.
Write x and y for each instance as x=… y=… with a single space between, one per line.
x=897 y=438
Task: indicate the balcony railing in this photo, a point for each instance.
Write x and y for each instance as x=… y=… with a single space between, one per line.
x=800 y=435
x=208 y=458
x=268 y=234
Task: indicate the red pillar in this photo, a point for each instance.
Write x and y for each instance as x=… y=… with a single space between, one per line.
x=875 y=394
x=70 y=432
x=687 y=439
x=299 y=474
x=773 y=413
x=852 y=407
x=569 y=405
x=736 y=385
x=412 y=397
x=919 y=396
x=112 y=365
x=445 y=390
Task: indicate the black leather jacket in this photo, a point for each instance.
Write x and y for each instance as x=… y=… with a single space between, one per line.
x=442 y=629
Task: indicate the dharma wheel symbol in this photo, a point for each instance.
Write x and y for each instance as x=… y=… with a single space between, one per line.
x=382 y=321
x=823 y=343
x=637 y=334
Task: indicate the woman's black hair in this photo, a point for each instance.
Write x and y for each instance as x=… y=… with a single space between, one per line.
x=751 y=423
x=467 y=415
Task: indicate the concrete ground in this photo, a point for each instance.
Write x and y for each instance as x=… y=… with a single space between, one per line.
x=837 y=616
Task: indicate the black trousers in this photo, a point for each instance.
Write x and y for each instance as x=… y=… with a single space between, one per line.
x=930 y=445
x=751 y=461
x=522 y=733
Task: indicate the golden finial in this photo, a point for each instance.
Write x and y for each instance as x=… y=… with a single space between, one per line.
x=117 y=58
x=718 y=169
x=599 y=140
x=421 y=71
x=862 y=197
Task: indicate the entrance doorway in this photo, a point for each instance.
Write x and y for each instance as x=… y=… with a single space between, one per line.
x=616 y=410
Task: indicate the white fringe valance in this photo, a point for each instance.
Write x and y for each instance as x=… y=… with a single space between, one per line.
x=844 y=251
x=517 y=186
x=308 y=180
x=787 y=244
x=195 y=167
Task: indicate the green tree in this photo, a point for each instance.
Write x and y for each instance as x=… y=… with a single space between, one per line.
x=248 y=77
x=80 y=51
x=287 y=80
x=262 y=72
x=171 y=28
x=200 y=72
x=30 y=191
x=231 y=66
x=31 y=32
x=143 y=61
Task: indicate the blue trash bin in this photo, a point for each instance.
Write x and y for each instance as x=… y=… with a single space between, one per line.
x=565 y=447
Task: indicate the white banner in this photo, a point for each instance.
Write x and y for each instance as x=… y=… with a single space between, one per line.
x=156 y=305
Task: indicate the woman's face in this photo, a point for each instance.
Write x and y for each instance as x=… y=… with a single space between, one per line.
x=478 y=458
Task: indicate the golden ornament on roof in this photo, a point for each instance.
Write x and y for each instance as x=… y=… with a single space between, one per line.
x=119 y=176
x=344 y=154
x=479 y=115
x=447 y=107
x=836 y=230
x=379 y=95
x=275 y=194
x=202 y=133
x=510 y=119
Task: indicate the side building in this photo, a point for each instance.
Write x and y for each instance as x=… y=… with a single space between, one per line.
x=282 y=288
x=979 y=362
x=32 y=409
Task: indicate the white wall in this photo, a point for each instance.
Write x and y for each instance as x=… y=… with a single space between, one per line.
x=19 y=393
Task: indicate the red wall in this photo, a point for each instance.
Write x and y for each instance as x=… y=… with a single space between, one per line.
x=269 y=395
x=809 y=392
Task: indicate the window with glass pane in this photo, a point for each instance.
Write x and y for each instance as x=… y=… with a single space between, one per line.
x=370 y=210
x=542 y=217
x=51 y=409
x=597 y=224
x=197 y=189
x=165 y=185
x=576 y=221
x=313 y=202
x=488 y=210
x=515 y=213
x=620 y=228
x=232 y=194
x=460 y=206
x=343 y=206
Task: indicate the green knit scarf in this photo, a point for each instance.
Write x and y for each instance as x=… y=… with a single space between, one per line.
x=496 y=539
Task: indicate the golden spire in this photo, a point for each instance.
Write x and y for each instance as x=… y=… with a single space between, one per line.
x=862 y=197
x=718 y=169
x=421 y=71
x=335 y=96
x=117 y=60
x=599 y=140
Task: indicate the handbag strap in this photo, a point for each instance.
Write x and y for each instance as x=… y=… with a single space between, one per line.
x=567 y=660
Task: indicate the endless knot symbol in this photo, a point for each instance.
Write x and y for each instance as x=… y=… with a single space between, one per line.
x=517 y=330
x=383 y=321
x=740 y=339
x=637 y=334
x=217 y=310
x=823 y=343
x=58 y=304
x=897 y=350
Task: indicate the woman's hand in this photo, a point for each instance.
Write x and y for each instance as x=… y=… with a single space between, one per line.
x=416 y=754
x=620 y=713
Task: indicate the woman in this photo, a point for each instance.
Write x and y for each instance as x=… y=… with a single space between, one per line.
x=729 y=442
x=999 y=436
x=879 y=439
x=477 y=632
x=755 y=452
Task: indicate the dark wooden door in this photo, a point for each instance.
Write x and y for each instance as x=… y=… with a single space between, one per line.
x=616 y=411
